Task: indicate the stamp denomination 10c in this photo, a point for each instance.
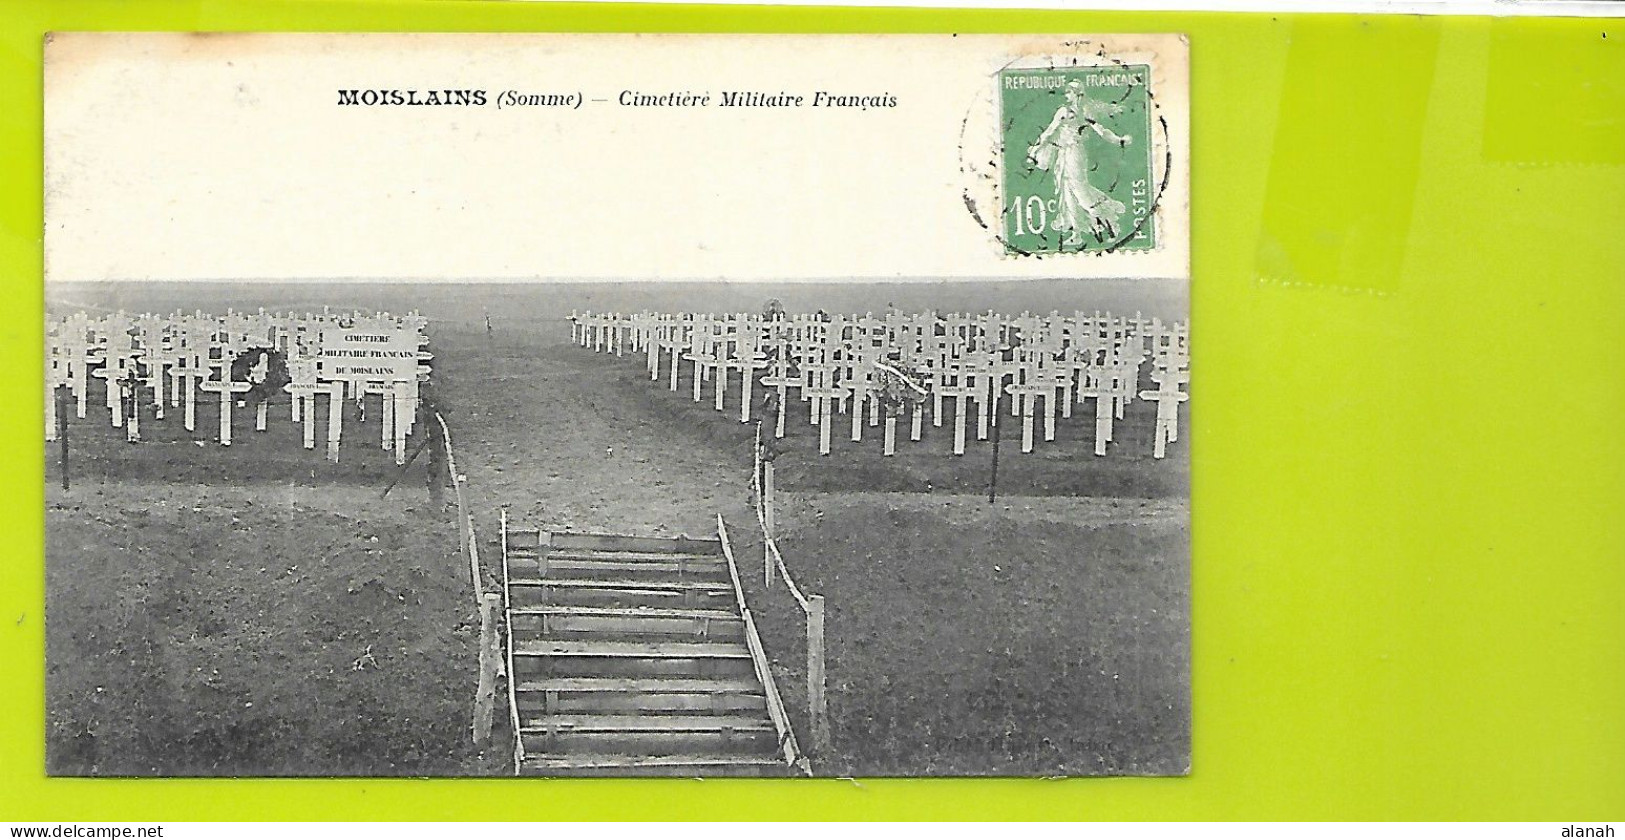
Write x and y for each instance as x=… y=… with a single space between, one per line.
x=1077 y=159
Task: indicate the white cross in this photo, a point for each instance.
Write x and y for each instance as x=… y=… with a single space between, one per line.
x=227 y=389
x=1168 y=397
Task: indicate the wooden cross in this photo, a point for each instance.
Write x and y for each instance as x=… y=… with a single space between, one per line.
x=673 y=340
x=1168 y=397
x=995 y=369
x=303 y=386
x=149 y=333
x=1046 y=375
x=56 y=375
x=824 y=397
x=781 y=378
x=1102 y=394
x=78 y=354
x=959 y=389
x=162 y=358
x=649 y=327
x=943 y=347
x=747 y=364
x=891 y=380
x=196 y=337
x=227 y=389
x=120 y=365
x=700 y=354
x=1025 y=395
x=859 y=383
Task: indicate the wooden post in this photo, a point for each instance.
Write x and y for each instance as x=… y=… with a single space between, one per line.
x=817 y=705
x=191 y=401
x=335 y=418
x=993 y=476
x=768 y=515
x=62 y=433
x=437 y=459
x=386 y=414
x=132 y=396
x=759 y=482
x=308 y=417
x=402 y=416
x=51 y=403
x=485 y=694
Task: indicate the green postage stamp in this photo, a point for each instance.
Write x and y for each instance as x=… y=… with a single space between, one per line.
x=1078 y=159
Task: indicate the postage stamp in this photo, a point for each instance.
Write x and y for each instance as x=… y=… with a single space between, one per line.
x=1077 y=159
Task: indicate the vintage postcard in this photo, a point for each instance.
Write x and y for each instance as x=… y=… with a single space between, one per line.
x=617 y=405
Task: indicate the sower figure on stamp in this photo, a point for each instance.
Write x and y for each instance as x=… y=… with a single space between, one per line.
x=1061 y=151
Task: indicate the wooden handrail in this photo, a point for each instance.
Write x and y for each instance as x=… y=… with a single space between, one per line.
x=758 y=656
x=465 y=522
x=507 y=623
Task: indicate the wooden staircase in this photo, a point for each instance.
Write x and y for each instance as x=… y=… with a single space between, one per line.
x=636 y=656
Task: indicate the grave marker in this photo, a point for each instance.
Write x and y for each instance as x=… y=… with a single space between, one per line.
x=227 y=389
x=1168 y=397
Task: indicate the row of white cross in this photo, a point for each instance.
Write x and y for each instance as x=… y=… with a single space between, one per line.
x=164 y=360
x=900 y=363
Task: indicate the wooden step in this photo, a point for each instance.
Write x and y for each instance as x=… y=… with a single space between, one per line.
x=623 y=625
x=538 y=659
x=642 y=686
x=648 y=734
x=630 y=650
x=645 y=723
x=641 y=568
x=664 y=765
x=640 y=612
x=629 y=694
x=619 y=591
x=623 y=584
x=617 y=542
x=637 y=556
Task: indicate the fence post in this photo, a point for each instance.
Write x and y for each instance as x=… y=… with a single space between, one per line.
x=485 y=695
x=993 y=476
x=62 y=409
x=769 y=526
x=817 y=706
x=768 y=514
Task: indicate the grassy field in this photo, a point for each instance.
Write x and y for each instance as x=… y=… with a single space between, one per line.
x=1045 y=634
x=969 y=639
x=252 y=610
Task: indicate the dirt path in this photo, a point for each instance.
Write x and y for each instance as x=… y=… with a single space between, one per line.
x=536 y=431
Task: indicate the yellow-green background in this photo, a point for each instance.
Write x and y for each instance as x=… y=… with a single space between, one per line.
x=1409 y=581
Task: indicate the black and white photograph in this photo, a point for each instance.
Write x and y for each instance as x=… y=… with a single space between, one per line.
x=510 y=405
